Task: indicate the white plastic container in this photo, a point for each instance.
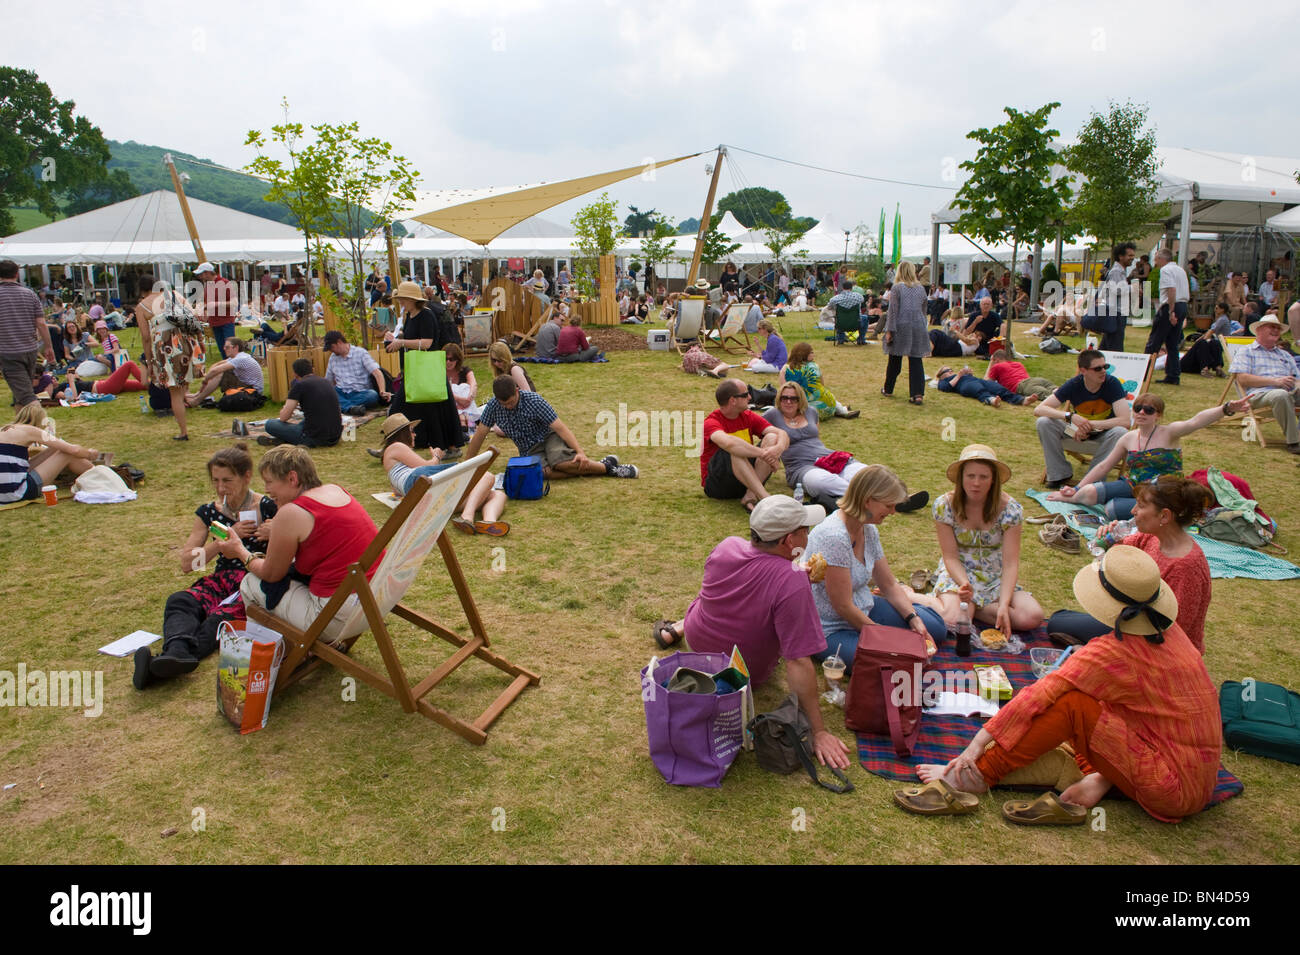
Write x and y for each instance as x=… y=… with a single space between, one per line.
x=657 y=339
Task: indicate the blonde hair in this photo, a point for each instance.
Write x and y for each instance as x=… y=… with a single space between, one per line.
x=278 y=462
x=875 y=482
x=766 y=325
x=499 y=353
x=33 y=414
x=799 y=393
x=906 y=274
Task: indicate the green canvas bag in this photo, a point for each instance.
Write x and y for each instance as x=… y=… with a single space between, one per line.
x=1261 y=718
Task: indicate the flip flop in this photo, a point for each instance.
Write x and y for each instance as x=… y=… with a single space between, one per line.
x=921 y=581
x=936 y=798
x=1046 y=810
x=464 y=526
x=660 y=627
x=492 y=528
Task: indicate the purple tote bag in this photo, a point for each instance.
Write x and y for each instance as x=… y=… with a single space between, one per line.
x=693 y=738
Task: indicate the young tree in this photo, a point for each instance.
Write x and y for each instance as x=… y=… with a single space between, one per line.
x=780 y=238
x=638 y=222
x=865 y=258
x=717 y=244
x=595 y=233
x=1010 y=193
x=46 y=151
x=339 y=184
x=657 y=245
x=1116 y=158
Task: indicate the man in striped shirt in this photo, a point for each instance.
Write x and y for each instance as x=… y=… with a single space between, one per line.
x=1268 y=373
x=23 y=334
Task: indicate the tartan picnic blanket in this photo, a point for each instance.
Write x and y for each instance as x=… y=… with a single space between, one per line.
x=537 y=360
x=1225 y=560
x=944 y=737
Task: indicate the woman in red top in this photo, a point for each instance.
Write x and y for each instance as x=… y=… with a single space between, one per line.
x=1162 y=514
x=1136 y=705
x=319 y=531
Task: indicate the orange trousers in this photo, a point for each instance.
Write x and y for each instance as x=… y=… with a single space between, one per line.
x=1070 y=719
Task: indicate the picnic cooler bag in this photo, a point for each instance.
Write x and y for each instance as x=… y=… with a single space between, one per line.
x=693 y=737
x=250 y=659
x=873 y=703
x=524 y=480
x=1261 y=718
x=424 y=377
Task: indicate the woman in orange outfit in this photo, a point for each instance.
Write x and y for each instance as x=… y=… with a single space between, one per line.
x=1137 y=705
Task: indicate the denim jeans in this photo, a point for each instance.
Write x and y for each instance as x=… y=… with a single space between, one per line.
x=845 y=642
x=223 y=332
x=288 y=433
x=350 y=399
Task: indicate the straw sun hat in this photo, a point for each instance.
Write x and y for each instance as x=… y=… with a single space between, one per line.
x=409 y=290
x=1125 y=586
x=393 y=424
x=978 y=452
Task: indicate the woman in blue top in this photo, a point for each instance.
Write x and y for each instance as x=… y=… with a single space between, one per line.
x=850 y=544
x=774 y=354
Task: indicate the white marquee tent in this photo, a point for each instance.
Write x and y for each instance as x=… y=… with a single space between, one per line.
x=151 y=229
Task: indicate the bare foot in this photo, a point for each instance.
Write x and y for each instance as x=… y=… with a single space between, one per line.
x=1032 y=400
x=1088 y=791
x=963 y=779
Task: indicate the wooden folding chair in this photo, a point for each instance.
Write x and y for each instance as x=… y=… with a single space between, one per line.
x=732 y=329
x=520 y=341
x=404 y=540
x=1250 y=419
x=690 y=317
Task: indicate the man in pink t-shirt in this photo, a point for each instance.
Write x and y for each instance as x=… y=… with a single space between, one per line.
x=731 y=464
x=754 y=597
x=1012 y=376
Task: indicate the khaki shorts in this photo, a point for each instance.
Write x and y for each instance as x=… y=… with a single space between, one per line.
x=553 y=451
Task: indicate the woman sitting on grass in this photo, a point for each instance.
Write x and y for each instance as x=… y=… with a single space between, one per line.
x=503 y=363
x=1162 y=514
x=191 y=616
x=1149 y=450
x=320 y=530
x=404 y=466
x=1136 y=705
x=774 y=354
x=464 y=386
x=979 y=529
x=850 y=543
x=21 y=478
x=803 y=371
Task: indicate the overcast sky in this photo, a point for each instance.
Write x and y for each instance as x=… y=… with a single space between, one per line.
x=509 y=91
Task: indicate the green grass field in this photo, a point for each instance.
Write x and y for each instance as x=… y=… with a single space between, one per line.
x=587 y=570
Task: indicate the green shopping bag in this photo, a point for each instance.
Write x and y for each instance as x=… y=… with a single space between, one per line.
x=424 y=376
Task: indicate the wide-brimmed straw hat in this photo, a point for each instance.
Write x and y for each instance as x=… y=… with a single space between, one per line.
x=1124 y=586
x=701 y=284
x=394 y=423
x=410 y=290
x=978 y=452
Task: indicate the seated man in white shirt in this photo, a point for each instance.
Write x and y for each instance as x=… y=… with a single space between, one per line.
x=351 y=371
x=239 y=370
x=1268 y=373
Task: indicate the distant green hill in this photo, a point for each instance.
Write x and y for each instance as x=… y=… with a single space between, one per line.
x=234 y=190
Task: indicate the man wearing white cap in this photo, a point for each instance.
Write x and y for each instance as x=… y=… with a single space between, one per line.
x=756 y=598
x=220 y=303
x=1268 y=373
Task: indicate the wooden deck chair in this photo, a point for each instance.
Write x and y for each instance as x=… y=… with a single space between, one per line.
x=1251 y=420
x=690 y=316
x=478 y=332
x=732 y=330
x=405 y=540
x=519 y=341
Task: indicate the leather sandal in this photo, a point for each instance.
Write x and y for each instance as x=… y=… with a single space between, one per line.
x=1046 y=810
x=936 y=798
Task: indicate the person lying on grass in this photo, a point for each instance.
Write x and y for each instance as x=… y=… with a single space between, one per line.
x=985 y=390
x=750 y=599
x=405 y=466
x=528 y=419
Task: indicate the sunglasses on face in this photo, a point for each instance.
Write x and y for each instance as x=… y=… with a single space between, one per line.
x=1144 y=409
x=790 y=398
x=1097 y=368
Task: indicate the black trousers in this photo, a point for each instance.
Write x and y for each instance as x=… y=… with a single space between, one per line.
x=1114 y=341
x=915 y=375
x=1169 y=336
x=187 y=629
x=1204 y=353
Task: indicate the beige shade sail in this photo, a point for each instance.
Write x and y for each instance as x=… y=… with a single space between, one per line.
x=480 y=215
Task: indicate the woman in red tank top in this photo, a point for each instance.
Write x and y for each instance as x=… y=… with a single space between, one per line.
x=318 y=532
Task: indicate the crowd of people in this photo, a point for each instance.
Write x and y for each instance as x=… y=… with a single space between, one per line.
x=1141 y=626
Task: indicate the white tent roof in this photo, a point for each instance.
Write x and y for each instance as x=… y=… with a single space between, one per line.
x=151 y=228
x=1288 y=221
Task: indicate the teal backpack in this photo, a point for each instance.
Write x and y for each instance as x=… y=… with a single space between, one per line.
x=1262 y=719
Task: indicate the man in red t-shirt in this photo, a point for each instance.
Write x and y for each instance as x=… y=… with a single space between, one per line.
x=220 y=303
x=1012 y=376
x=731 y=464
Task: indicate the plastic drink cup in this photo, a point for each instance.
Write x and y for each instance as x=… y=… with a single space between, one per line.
x=51 y=495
